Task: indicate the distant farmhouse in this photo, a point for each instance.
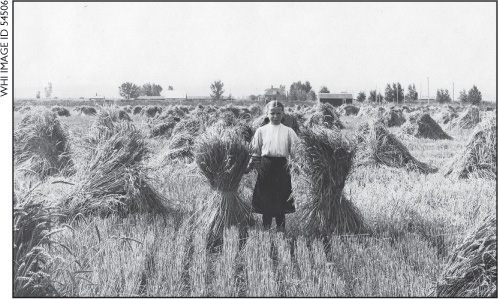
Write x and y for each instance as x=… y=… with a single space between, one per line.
x=274 y=94
x=335 y=99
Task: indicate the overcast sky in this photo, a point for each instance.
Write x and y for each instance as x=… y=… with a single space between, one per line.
x=88 y=48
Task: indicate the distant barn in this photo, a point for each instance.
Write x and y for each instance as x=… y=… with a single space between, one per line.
x=336 y=99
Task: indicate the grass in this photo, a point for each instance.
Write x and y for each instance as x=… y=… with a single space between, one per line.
x=416 y=220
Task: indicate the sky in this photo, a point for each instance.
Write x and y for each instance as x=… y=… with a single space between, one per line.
x=85 y=49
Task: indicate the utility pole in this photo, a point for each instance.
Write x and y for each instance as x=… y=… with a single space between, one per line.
x=397 y=101
x=427 y=90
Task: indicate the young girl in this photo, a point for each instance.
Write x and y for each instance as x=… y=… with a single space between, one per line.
x=272 y=144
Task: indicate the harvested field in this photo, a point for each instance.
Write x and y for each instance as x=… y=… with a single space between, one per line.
x=125 y=222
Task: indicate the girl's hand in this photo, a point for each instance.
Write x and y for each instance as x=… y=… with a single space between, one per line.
x=249 y=168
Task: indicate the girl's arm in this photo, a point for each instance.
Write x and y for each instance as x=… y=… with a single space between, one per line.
x=256 y=145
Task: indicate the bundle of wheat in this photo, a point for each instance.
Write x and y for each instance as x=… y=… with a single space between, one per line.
x=364 y=111
x=186 y=109
x=222 y=156
x=324 y=115
x=108 y=115
x=85 y=110
x=24 y=109
x=376 y=145
x=467 y=120
x=163 y=126
x=33 y=227
x=41 y=145
x=255 y=110
x=423 y=126
x=471 y=268
x=240 y=126
x=113 y=179
x=340 y=110
x=235 y=110
x=174 y=111
x=228 y=118
x=151 y=111
x=445 y=115
x=393 y=118
x=325 y=159
x=105 y=124
x=127 y=109
x=351 y=110
x=289 y=120
x=61 y=111
x=193 y=126
x=137 y=110
x=479 y=155
x=406 y=109
x=181 y=146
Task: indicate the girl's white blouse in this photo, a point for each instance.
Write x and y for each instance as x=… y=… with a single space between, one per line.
x=274 y=141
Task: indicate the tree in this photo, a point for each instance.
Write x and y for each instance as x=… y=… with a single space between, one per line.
x=394 y=93
x=374 y=97
x=217 y=90
x=443 y=96
x=48 y=90
x=474 y=97
x=389 y=92
x=129 y=90
x=311 y=96
x=252 y=97
x=170 y=87
x=38 y=94
x=463 y=97
x=307 y=87
x=299 y=91
x=412 y=94
x=151 y=89
x=156 y=89
x=361 y=97
x=324 y=89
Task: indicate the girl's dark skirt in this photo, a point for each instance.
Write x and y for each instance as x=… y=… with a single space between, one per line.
x=273 y=191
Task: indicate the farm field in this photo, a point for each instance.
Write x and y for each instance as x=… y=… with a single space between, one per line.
x=414 y=219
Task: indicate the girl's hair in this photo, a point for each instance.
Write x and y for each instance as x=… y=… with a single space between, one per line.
x=274 y=104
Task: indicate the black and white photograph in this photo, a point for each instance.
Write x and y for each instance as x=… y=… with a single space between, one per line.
x=249 y=149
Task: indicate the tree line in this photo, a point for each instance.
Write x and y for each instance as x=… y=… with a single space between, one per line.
x=395 y=94
x=299 y=91
x=130 y=90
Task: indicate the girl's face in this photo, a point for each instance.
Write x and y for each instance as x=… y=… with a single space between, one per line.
x=275 y=115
